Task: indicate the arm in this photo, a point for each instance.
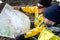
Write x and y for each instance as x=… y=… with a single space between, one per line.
x=34 y=31
x=29 y=9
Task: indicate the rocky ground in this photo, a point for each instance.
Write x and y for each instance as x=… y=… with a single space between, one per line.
x=21 y=2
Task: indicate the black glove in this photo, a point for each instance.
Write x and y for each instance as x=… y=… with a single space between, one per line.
x=32 y=25
x=21 y=10
x=20 y=37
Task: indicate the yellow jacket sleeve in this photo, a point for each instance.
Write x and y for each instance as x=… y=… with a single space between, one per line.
x=34 y=31
x=29 y=9
x=38 y=20
x=47 y=35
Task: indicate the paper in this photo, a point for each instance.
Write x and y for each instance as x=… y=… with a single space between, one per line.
x=13 y=22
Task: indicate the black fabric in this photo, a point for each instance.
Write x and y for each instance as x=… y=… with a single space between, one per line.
x=21 y=10
x=2 y=6
x=55 y=29
x=32 y=25
x=45 y=3
x=52 y=13
x=21 y=37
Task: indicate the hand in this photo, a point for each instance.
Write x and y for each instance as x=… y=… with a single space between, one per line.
x=15 y=7
x=20 y=37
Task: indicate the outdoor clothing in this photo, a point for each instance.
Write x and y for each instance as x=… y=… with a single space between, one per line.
x=45 y=3
x=50 y=33
x=38 y=22
x=53 y=13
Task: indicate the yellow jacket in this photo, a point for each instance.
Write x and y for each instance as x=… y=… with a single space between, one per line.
x=37 y=22
x=44 y=33
x=33 y=9
x=47 y=35
x=34 y=31
x=29 y=9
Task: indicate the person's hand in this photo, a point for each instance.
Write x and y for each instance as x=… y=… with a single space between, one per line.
x=15 y=7
x=20 y=37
